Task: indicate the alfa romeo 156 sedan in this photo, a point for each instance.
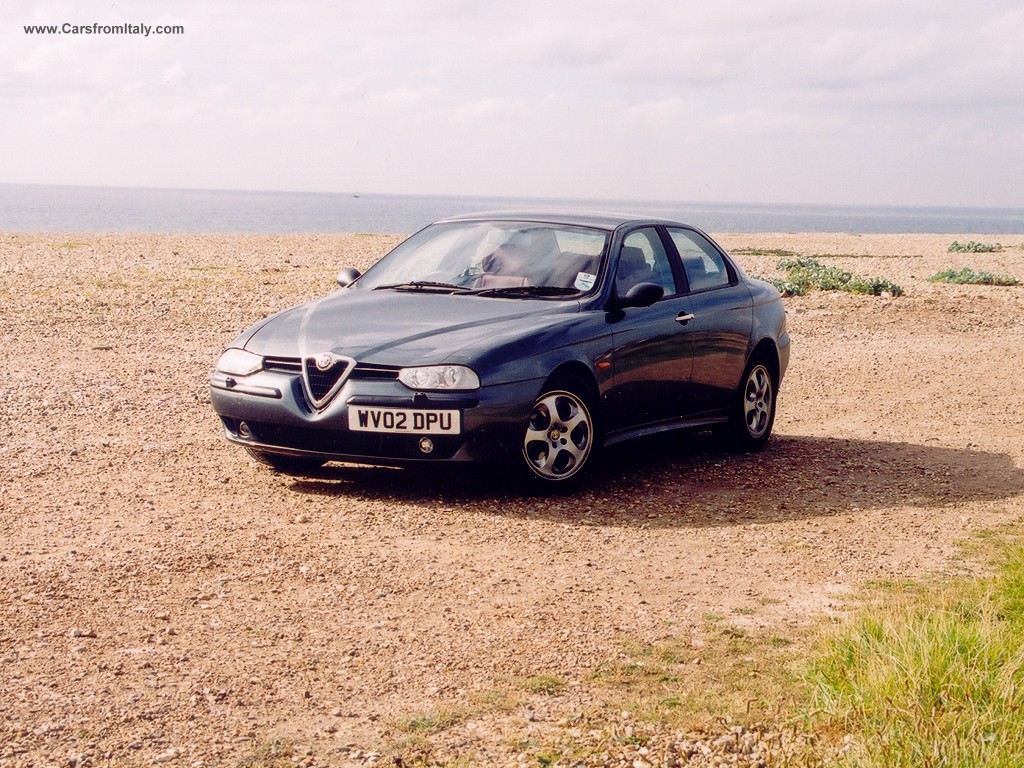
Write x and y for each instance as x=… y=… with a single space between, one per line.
x=525 y=338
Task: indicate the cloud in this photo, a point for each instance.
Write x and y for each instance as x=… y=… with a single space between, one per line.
x=576 y=98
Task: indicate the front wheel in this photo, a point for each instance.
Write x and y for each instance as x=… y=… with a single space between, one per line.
x=559 y=441
x=754 y=410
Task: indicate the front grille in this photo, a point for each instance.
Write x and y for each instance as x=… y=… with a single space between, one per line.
x=370 y=371
x=322 y=382
x=283 y=364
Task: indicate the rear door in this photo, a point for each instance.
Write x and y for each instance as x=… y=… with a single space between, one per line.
x=720 y=330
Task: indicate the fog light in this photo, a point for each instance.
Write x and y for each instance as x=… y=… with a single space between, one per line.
x=243 y=430
x=426 y=445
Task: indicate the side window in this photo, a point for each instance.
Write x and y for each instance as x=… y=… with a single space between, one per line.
x=705 y=268
x=643 y=259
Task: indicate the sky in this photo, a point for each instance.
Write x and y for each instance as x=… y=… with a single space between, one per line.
x=776 y=101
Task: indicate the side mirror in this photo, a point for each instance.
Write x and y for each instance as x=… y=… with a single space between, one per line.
x=347 y=276
x=641 y=295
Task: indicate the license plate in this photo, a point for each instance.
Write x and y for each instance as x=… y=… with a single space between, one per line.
x=413 y=421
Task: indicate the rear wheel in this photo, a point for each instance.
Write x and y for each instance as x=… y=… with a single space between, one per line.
x=754 y=410
x=289 y=465
x=559 y=442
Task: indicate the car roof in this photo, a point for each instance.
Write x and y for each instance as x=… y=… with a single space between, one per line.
x=597 y=219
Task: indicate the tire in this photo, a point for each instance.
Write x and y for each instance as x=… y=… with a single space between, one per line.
x=754 y=410
x=288 y=465
x=560 y=440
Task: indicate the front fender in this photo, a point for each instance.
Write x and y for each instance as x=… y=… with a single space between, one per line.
x=521 y=356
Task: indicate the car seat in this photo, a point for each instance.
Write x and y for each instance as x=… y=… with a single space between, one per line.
x=633 y=269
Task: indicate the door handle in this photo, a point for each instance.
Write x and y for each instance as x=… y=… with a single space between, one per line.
x=684 y=317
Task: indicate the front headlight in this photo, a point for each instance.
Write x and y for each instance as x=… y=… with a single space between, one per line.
x=447 y=377
x=239 y=362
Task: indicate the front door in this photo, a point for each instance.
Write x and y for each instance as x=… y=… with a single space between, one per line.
x=651 y=360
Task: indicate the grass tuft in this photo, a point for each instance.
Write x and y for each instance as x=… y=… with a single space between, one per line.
x=274 y=753
x=932 y=677
x=544 y=684
x=776 y=252
x=439 y=718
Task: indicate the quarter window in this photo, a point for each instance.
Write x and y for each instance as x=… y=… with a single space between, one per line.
x=704 y=266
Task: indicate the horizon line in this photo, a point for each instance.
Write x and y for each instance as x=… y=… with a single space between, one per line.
x=495 y=196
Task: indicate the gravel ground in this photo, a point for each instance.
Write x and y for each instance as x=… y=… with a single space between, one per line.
x=166 y=600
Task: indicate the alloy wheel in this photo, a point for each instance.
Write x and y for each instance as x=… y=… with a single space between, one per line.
x=757 y=401
x=559 y=436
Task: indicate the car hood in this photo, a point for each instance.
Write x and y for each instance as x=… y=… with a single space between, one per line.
x=397 y=327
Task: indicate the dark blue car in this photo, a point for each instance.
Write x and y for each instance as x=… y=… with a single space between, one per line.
x=532 y=339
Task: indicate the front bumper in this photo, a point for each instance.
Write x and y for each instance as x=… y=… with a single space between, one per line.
x=268 y=411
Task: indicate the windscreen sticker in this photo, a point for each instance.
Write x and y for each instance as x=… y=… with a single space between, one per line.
x=585 y=281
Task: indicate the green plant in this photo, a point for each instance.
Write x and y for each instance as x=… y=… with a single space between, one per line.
x=973 y=247
x=874 y=286
x=812 y=272
x=785 y=287
x=968 y=276
x=805 y=273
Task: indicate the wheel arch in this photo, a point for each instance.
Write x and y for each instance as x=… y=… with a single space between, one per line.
x=582 y=373
x=576 y=370
x=767 y=352
x=570 y=380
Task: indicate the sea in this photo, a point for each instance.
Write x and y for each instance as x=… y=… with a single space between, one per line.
x=54 y=208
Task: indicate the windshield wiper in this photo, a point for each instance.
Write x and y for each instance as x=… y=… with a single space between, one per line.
x=424 y=285
x=528 y=290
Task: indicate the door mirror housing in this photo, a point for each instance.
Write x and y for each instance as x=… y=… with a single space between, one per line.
x=347 y=276
x=640 y=295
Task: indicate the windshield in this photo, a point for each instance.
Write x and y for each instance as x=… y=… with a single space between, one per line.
x=494 y=257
